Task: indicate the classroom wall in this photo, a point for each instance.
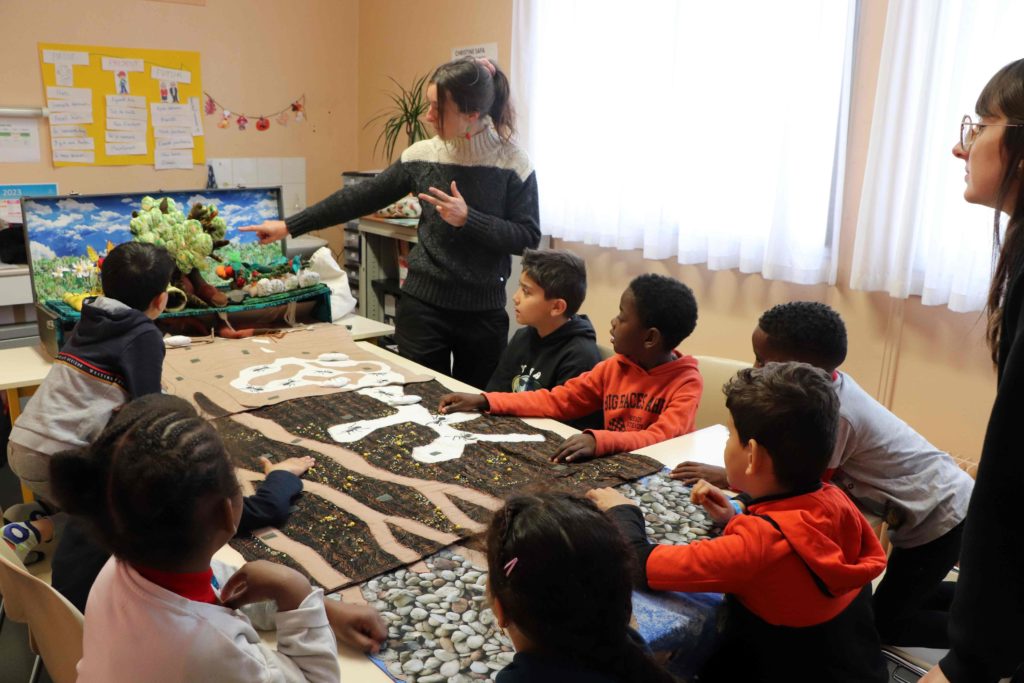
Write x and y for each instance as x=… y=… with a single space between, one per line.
x=256 y=56
x=927 y=363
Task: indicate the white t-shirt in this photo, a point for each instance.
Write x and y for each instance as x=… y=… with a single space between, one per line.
x=137 y=631
x=894 y=472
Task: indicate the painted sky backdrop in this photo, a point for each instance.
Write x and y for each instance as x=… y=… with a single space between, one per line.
x=64 y=226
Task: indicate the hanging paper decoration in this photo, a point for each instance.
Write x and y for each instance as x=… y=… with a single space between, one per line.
x=296 y=110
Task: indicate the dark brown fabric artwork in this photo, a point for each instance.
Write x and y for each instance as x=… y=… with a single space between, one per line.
x=394 y=481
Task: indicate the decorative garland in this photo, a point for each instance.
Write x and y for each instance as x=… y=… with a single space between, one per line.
x=296 y=109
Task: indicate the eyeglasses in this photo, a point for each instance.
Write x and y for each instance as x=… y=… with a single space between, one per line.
x=970 y=129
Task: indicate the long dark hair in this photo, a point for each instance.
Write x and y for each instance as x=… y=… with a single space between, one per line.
x=1004 y=94
x=140 y=482
x=563 y=574
x=470 y=86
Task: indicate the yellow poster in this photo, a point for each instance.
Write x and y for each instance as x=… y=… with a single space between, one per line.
x=116 y=106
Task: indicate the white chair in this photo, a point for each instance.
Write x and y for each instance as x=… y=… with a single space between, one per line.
x=54 y=624
x=716 y=372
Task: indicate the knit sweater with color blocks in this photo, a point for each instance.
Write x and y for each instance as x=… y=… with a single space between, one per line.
x=457 y=268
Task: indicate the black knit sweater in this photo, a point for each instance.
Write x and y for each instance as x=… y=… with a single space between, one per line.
x=986 y=626
x=464 y=268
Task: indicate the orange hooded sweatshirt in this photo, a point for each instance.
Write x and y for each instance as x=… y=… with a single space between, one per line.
x=771 y=568
x=641 y=407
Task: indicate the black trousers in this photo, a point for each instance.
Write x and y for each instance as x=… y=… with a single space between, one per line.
x=912 y=601
x=465 y=345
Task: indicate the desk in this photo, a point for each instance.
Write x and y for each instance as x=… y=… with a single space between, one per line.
x=21 y=372
x=363 y=328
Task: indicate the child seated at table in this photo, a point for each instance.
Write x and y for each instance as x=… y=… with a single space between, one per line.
x=649 y=391
x=160 y=492
x=114 y=354
x=797 y=565
x=556 y=344
x=887 y=468
x=560 y=584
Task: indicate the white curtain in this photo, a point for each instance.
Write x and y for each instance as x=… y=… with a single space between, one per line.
x=915 y=232
x=714 y=132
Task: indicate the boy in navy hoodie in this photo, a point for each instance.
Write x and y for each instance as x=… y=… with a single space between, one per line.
x=556 y=344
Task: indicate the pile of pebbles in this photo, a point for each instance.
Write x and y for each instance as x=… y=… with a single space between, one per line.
x=440 y=628
x=669 y=515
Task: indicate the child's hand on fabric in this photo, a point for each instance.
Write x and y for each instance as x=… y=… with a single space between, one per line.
x=357 y=625
x=462 y=403
x=262 y=580
x=606 y=498
x=296 y=466
x=714 y=500
x=691 y=472
x=934 y=675
x=267 y=231
x=451 y=208
x=576 y=448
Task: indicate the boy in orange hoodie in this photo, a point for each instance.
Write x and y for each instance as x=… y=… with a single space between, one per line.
x=649 y=391
x=796 y=557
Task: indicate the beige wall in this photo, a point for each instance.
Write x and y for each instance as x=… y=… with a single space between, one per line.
x=927 y=363
x=256 y=55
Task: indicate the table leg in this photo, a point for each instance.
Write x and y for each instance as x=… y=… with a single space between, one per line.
x=14 y=397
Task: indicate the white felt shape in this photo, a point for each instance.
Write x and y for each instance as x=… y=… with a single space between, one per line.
x=449 y=444
x=392 y=395
x=327 y=370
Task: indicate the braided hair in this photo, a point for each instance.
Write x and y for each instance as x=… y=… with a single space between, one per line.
x=563 y=574
x=141 y=481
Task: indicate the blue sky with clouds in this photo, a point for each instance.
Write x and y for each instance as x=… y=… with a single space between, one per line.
x=65 y=226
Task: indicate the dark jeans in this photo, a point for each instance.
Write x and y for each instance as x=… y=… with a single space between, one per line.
x=465 y=345
x=912 y=601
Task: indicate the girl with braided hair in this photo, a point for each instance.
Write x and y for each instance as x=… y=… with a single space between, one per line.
x=560 y=583
x=161 y=494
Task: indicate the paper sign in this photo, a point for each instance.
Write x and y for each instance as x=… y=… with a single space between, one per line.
x=63 y=57
x=170 y=131
x=68 y=132
x=64 y=74
x=137 y=101
x=71 y=117
x=10 y=198
x=162 y=74
x=488 y=50
x=173 y=158
x=19 y=140
x=125 y=136
x=115 y=64
x=171 y=115
x=126 y=113
x=126 y=124
x=73 y=143
x=69 y=105
x=74 y=156
x=197 y=117
x=125 y=148
x=55 y=92
x=175 y=142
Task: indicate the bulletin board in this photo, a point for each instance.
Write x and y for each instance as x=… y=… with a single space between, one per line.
x=114 y=106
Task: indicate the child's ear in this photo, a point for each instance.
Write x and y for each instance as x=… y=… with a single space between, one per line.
x=652 y=338
x=159 y=302
x=759 y=462
x=499 y=612
x=228 y=517
x=558 y=307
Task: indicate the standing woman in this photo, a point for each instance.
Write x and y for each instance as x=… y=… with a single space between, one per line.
x=479 y=195
x=986 y=627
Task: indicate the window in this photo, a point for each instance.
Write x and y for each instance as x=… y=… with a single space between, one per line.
x=714 y=132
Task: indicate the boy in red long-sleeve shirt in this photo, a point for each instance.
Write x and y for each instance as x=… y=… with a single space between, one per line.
x=797 y=567
x=649 y=391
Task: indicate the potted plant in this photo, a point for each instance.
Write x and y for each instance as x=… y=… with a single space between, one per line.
x=409 y=106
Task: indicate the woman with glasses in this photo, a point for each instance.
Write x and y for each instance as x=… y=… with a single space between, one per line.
x=987 y=617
